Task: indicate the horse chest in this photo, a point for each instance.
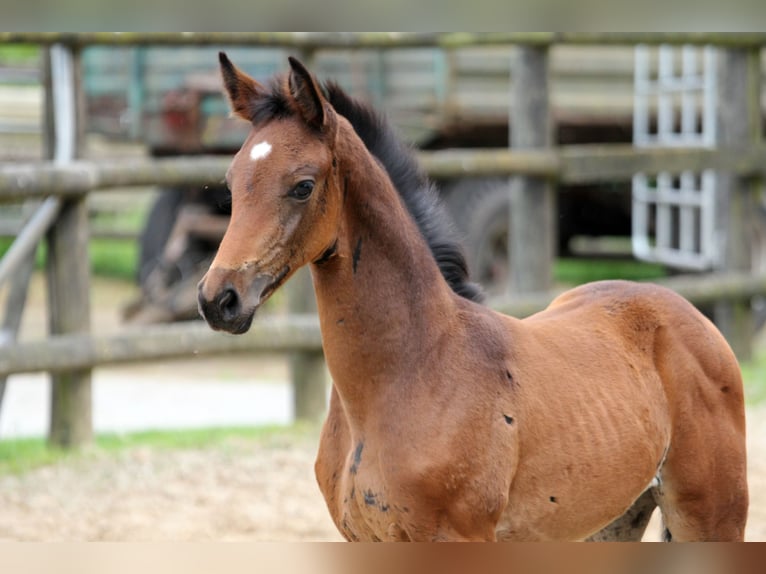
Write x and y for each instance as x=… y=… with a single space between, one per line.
x=400 y=486
x=366 y=509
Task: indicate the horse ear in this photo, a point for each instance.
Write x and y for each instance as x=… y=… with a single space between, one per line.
x=307 y=95
x=243 y=90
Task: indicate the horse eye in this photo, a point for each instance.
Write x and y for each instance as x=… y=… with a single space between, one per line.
x=303 y=190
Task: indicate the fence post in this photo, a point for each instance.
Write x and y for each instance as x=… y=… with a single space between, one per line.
x=307 y=369
x=68 y=265
x=738 y=125
x=532 y=233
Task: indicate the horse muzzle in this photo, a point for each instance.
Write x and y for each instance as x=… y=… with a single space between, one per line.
x=229 y=305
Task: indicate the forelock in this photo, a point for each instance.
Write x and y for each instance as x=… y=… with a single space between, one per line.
x=276 y=104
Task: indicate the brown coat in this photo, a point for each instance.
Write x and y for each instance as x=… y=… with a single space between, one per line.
x=449 y=421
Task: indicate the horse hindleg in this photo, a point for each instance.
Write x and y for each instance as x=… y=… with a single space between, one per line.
x=703 y=480
x=704 y=503
x=630 y=526
x=703 y=492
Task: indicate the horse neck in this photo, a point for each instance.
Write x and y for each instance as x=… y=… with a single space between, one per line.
x=381 y=299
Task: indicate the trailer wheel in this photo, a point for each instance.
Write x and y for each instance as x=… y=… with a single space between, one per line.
x=480 y=208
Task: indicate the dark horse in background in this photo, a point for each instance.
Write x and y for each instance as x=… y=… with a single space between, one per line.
x=447 y=420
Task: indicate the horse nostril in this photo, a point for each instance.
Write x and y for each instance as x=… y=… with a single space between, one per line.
x=228 y=303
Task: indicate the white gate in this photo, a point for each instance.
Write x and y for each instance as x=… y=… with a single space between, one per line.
x=674 y=214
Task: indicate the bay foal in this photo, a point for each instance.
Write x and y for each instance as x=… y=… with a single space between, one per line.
x=447 y=420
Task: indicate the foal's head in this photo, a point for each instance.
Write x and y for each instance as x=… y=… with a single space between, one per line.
x=285 y=194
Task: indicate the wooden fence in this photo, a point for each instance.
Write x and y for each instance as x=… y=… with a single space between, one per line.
x=71 y=353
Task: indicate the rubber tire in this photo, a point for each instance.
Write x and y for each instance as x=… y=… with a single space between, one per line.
x=480 y=208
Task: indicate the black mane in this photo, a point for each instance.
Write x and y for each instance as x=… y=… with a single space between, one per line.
x=418 y=193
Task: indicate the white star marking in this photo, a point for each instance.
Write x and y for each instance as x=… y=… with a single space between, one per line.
x=260 y=151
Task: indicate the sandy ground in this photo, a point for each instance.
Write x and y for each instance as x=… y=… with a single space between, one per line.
x=242 y=490
x=260 y=490
x=238 y=491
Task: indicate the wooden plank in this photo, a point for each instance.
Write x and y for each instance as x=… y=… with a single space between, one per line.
x=569 y=164
x=605 y=163
x=458 y=163
x=610 y=63
x=532 y=233
x=74 y=351
x=738 y=126
x=317 y=40
x=69 y=307
x=80 y=177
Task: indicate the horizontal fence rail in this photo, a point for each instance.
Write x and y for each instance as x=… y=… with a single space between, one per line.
x=80 y=177
x=283 y=334
x=570 y=164
x=319 y=40
x=159 y=342
x=591 y=163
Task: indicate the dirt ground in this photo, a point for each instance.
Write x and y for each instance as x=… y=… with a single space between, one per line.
x=258 y=490
x=239 y=491
x=242 y=490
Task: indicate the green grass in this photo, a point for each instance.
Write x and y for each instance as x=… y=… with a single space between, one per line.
x=754 y=375
x=18 y=456
x=577 y=271
x=19 y=54
x=116 y=258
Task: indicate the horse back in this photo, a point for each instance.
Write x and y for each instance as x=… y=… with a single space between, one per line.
x=624 y=375
x=655 y=328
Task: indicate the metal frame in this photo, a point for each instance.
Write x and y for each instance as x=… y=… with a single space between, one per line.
x=674 y=214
